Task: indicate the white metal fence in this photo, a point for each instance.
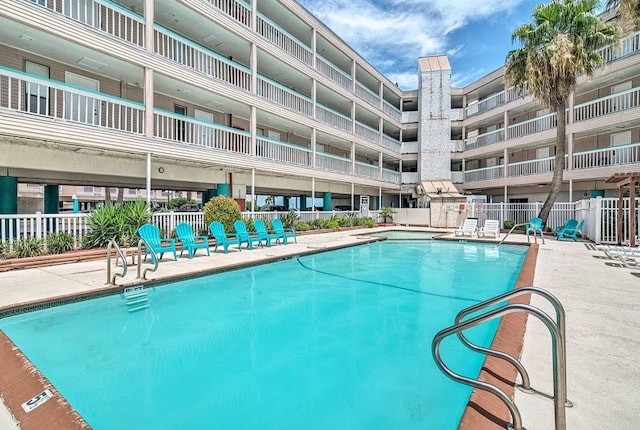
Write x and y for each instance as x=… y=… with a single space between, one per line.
x=599 y=214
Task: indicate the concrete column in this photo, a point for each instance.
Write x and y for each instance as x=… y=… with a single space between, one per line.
x=303 y=202
x=149 y=15
x=326 y=201
x=224 y=190
x=51 y=198
x=8 y=195
x=148 y=102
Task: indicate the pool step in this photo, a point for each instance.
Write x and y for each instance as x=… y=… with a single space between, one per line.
x=136 y=298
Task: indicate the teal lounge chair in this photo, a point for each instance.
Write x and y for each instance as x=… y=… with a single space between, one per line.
x=189 y=241
x=570 y=229
x=243 y=235
x=262 y=233
x=150 y=234
x=222 y=238
x=281 y=232
x=534 y=226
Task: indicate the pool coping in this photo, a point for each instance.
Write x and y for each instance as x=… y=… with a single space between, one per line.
x=21 y=380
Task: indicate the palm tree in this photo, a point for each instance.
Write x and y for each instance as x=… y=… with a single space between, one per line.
x=628 y=13
x=557 y=46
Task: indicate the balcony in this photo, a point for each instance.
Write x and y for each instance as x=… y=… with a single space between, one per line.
x=367 y=95
x=484 y=139
x=611 y=156
x=326 y=68
x=535 y=125
x=367 y=133
x=391 y=143
x=367 y=170
x=283 y=96
x=284 y=40
x=607 y=105
x=335 y=119
x=410 y=177
x=333 y=163
x=391 y=110
x=409 y=117
x=238 y=10
x=484 y=105
x=392 y=176
x=283 y=152
x=531 y=167
x=484 y=174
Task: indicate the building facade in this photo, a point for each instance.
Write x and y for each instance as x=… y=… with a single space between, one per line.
x=259 y=97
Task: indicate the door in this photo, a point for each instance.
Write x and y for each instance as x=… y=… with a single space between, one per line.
x=203 y=135
x=82 y=107
x=37 y=96
x=621 y=155
x=180 y=125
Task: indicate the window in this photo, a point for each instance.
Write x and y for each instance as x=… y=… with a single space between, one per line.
x=180 y=125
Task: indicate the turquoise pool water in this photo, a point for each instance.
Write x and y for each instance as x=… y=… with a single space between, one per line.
x=335 y=340
x=406 y=234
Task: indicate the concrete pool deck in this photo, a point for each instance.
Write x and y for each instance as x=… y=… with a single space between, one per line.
x=602 y=304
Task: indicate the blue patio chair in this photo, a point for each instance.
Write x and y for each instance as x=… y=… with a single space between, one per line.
x=243 y=235
x=570 y=229
x=222 y=238
x=189 y=241
x=281 y=232
x=150 y=234
x=262 y=233
x=534 y=226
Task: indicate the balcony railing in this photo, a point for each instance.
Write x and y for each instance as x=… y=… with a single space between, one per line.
x=391 y=110
x=391 y=143
x=187 y=53
x=628 y=45
x=491 y=102
x=236 y=9
x=281 y=38
x=484 y=139
x=283 y=152
x=102 y=15
x=613 y=155
x=26 y=93
x=334 y=119
x=283 y=96
x=367 y=133
x=532 y=126
x=368 y=170
x=329 y=70
x=367 y=95
x=484 y=174
x=333 y=163
x=531 y=167
x=606 y=105
x=181 y=128
x=391 y=176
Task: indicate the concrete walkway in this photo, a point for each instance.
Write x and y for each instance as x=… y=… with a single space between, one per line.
x=603 y=321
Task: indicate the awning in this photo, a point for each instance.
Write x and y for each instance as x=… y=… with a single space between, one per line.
x=440 y=189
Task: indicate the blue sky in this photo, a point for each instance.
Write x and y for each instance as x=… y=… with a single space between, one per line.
x=392 y=34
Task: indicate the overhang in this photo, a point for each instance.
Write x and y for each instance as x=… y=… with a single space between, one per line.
x=442 y=188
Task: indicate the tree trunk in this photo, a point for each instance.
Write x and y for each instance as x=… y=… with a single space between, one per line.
x=558 y=170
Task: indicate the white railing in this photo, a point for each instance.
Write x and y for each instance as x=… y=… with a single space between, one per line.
x=332 y=72
x=391 y=176
x=367 y=133
x=484 y=105
x=531 y=167
x=236 y=9
x=39 y=226
x=513 y=93
x=612 y=155
x=26 y=93
x=368 y=170
x=167 y=221
x=606 y=105
x=284 y=40
x=391 y=143
x=335 y=119
x=391 y=110
x=484 y=139
x=102 y=15
x=284 y=152
x=333 y=163
x=627 y=46
x=284 y=96
x=189 y=130
x=183 y=51
x=534 y=125
x=484 y=174
x=367 y=95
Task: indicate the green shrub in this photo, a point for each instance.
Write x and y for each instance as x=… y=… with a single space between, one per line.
x=343 y=221
x=3 y=250
x=367 y=222
x=58 y=243
x=302 y=226
x=30 y=247
x=223 y=209
x=509 y=223
x=333 y=225
x=318 y=224
x=107 y=222
x=249 y=223
x=289 y=220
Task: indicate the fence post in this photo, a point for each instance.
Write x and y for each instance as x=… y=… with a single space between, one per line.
x=598 y=219
x=38 y=224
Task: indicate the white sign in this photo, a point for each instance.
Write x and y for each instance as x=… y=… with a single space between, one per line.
x=36 y=401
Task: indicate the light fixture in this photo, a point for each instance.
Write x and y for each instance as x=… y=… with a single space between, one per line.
x=161 y=169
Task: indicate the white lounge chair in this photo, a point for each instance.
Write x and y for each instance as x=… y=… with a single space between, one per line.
x=491 y=228
x=630 y=259
x=468 y=228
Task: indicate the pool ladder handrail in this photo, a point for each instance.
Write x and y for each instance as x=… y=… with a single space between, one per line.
x=558 y=352
x=119 y=254
x=535 y=236
x=154 y=258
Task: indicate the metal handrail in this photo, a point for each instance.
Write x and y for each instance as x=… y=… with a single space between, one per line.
x=119 y=254
x=154 y=258
x=559 y=385
x=509 y=232
x=560 y=322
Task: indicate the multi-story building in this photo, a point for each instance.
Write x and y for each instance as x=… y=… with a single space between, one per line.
x=256 y=97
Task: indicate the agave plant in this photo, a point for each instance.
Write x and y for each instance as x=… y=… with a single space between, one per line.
x=29 y=247
x=58 y=243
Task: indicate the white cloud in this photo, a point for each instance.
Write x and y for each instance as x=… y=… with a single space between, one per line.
x=403 y=30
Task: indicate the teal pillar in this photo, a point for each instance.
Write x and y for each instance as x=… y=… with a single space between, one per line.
x=597 y=193
x=8 y=195
x=326 y=201
x=303 y=202
x=51 y=199
x=285 y=202
x=224 y=190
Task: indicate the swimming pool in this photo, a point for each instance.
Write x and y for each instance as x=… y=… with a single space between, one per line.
x=333 y=340
x=407 y=234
